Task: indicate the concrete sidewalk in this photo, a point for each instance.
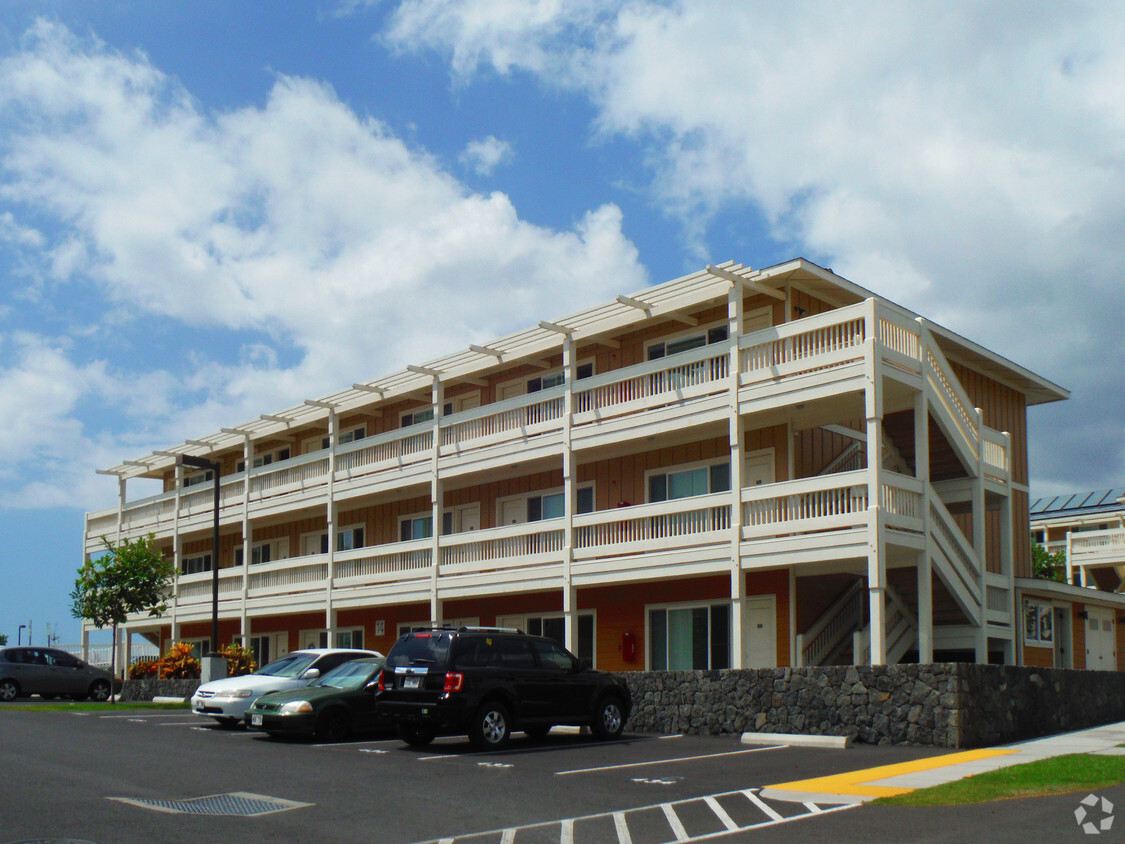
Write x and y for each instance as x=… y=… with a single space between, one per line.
x=861 y=786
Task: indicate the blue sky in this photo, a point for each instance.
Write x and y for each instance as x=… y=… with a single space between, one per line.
x=213 y=210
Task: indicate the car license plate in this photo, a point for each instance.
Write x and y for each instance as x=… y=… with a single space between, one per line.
x=256 y=720
x=411 y=682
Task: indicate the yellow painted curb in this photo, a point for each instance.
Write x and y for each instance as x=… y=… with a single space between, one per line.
x=853 y=782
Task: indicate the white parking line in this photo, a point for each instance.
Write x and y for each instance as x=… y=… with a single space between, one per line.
x=674 y=822
x=667 y=761
x=622 y=828
x=457 y=740
x=721 y=813
x=757 y=801
x=153 y=715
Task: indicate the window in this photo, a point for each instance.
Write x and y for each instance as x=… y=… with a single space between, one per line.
x=265 y=551
x=197 y=478
x=350 y=638
x=195 y=564
x=347 y=539
x=543 y=505
x=199 y=647
x=415 y=527
x=684 y=483
x=417 y=417
x=553 y=378
x=348 y=435
x=554 y=627
x=266 y=458
x=267 y=647
x=682 y=343
x=689 y=638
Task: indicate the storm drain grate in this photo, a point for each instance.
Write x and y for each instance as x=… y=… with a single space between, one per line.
x=237 y=803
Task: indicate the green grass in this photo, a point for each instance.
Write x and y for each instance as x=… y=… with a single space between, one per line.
x=1057 y=775
x=88 y=706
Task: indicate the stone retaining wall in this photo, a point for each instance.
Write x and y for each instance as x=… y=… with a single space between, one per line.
x=134 y=690
x=943 y=704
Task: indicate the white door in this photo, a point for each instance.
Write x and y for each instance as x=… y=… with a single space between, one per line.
x=760 y=632
x=513 y=512
x=469 y=517
x=467 y=401
x=1101 y=655
x=510 y=391
x=758 y=467
x=757 y=319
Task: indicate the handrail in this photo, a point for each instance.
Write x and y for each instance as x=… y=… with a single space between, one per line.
x=949 y=390
x=829 y=630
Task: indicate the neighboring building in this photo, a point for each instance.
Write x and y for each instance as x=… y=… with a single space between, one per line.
x=1078 y=624
x=736 y=468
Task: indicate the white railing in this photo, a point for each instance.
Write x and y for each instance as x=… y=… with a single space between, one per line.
x=956 y=559
x=646 y=527
x=830 y=630
x=950 y=395
x=524 y=544
x=902 y=496
x=998 y=597
x=1101 y=546
x=302 y=574
x=996 y=450
x=818 y=503
x=196 y=588
x=685 y=375
x=520 y=417
x=300 y=473
x=396 y=561
x=401 y=447
x=807 y=345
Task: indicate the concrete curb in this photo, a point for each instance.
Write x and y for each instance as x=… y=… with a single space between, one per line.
x=169 y=699
x=794 y=740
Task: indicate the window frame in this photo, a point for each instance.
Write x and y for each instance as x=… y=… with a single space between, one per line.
x=266 y=458
x=526 y=380
x=687 y=606
x=314 y=444
x=697 y=330
x=206 y=557
x=525 y=497
x=683 y=468
x=414 y=517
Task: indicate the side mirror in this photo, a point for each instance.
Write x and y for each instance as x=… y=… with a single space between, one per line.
x=312 y=674
x=80 y=664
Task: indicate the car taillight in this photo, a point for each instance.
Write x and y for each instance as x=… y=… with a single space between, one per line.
x=382 y=683
x=454 y=681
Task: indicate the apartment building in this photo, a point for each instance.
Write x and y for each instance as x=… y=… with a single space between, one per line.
x=736 y=468
x=1078 y=623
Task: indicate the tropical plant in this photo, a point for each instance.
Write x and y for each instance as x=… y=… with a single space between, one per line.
x=129 y=577
x=239 y=660
x=1047 y=566
x=144 y=669
x=180 y=663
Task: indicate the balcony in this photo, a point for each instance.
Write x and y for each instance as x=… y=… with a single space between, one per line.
x=812 y=357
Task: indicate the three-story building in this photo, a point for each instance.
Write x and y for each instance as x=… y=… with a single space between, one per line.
x=735 y=468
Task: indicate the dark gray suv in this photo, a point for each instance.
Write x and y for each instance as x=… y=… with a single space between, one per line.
x=49 y=672
x=487 y=682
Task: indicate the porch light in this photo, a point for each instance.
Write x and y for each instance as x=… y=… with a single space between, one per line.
x=213 y=466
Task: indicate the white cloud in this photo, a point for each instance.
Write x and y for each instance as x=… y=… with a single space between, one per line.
x=298 y=219
x=964 y=159
x=483 y=156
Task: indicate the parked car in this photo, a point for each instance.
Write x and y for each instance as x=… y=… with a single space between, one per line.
x=228 y=699
x=49 y=672
x=331 y=707
x=487 y=682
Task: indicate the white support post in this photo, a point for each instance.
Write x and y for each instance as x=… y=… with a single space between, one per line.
x=925 y=558
x=570 y=609
x=247 y=540
x=980 y=550
x=436 y=500
x=177 y=556
x=331 y=515
x=1069 y=561
x=876 y=544
x=739 y=630
x=120 y=509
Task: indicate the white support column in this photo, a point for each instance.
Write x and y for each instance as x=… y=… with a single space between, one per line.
x=120 y=508
x=570 y=478
x=1069 y=561
x=331 y=515
x=177 y=556
x=247 y=540
x=980 y=550
x=876 y=544
x=436 y=500
x=925 y=558
x=738 y=628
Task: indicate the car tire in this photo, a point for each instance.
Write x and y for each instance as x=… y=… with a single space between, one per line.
x=333 y=725
x=415 y=736
x=609 y=718
x=491 y=726
x=9 y=690
x=537 y=730
x=99 y=691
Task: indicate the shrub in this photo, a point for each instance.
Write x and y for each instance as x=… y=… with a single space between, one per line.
x=179 y=663
x=144 y=669
x=239 y=660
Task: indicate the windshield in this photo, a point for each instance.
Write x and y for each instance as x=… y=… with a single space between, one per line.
x=291 y=665
x=351 y=675
x=420 y=649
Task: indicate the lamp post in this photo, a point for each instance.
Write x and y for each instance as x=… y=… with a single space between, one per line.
x=201 y=463
x=19 y=635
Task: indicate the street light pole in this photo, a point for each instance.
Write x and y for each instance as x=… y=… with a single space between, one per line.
x=202 y=463
x=19 y=635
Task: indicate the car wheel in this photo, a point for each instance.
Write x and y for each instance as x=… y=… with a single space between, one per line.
x=415 y=736
x=537 y=730
x=99 y=691
x=333 y=725
x=491 y=727
x=9 y=690
x=609 y=720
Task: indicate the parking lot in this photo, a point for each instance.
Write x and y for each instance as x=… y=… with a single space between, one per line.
x=119 y=776
x=115 y=775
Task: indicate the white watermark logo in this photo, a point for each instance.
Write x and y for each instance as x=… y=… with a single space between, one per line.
x=1093 y=819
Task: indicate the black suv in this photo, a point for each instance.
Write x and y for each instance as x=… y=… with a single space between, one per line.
x=487 y=682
